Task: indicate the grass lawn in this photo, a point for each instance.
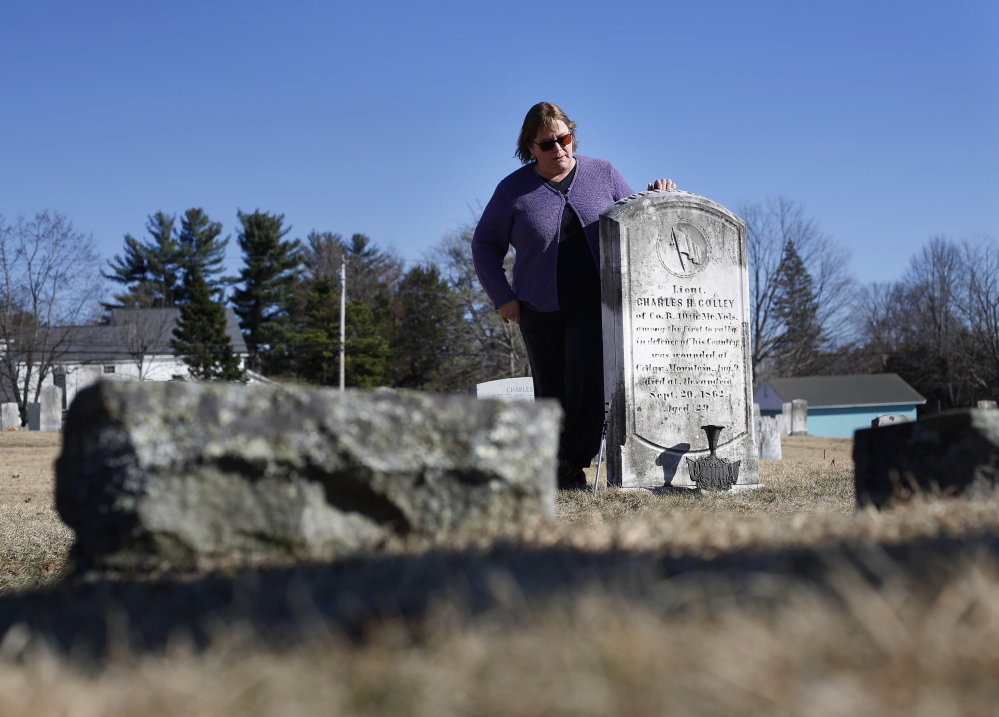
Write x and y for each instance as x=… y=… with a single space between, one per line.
x=783 y=600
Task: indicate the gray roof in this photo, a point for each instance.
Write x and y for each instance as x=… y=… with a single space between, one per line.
x=131 y=331
x=880 y=389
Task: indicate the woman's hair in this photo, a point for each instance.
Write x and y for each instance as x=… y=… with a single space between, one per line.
x=543 y=114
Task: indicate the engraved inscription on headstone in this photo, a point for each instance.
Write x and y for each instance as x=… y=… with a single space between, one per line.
x=675 y=294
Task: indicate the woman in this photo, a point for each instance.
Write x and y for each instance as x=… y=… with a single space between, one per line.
x=549 y=211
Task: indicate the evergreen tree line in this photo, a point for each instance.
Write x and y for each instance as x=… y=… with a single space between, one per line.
x=426 y=327
x=431 y=327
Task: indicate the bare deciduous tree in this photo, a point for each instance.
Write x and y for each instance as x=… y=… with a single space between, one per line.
x=938 y=326
x=49 y=281
x=499 y=346
x=770 y=227
x=143 y=332
x=980 y=301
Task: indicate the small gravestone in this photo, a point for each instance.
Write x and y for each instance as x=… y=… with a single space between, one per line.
x=34 y=416
x=948 y=454
x=769 y=437
x=513 y=389
x=799 y=417
x=786 y=418
x=675 y=295
x=50 y=409
x=157 y=472
x=890 y=419
x=10 y=417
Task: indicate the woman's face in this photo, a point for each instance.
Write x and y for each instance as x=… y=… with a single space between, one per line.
x=558 y=160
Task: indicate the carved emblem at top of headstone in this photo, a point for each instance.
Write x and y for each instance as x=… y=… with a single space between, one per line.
x=683 y=248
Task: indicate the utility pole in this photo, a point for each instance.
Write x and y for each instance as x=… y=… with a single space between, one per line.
x=343 y=318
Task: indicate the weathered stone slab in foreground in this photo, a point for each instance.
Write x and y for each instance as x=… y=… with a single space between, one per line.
x=952 y=453
x=179 y=473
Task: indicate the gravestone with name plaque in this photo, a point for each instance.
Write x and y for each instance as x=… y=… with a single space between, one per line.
x=677 y=361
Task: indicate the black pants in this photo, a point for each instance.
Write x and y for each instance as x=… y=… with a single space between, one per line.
x=566 y=354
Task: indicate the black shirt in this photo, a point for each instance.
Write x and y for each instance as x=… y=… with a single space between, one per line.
x=578 y=280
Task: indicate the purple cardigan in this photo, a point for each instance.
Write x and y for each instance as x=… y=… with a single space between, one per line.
x=526 y=212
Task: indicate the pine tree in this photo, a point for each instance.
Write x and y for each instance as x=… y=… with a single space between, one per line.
x=201 y=249
x=426 y=313
x=800 y=343
x=316 y=344
x=152 y=271
x=264 y=299
x=201 y=338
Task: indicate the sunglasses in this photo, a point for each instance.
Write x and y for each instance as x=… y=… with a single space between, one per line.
x=549 y=144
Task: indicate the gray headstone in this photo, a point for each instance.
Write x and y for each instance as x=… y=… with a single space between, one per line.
x=786 y=411
x=514 y=389
x=10 y=417
x=951 y=453
x=890 y=419
x=675 y=295
x=50 y=412
x=986 y=404
x=769 y=433
x=799 y=417
x=34 y=416
x=182 y=473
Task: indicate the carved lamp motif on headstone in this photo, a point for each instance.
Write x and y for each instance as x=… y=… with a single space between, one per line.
x=711 y=472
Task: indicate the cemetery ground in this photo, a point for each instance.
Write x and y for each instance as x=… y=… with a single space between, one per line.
x=779 y=600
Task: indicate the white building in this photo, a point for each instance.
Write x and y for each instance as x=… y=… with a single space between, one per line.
x=134 y=346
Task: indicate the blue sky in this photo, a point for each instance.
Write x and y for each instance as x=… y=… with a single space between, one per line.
x=398 y=119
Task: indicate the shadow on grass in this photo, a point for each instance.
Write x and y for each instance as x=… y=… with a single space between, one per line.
x=90 y=616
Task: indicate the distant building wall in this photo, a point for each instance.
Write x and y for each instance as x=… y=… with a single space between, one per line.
x=156 y=368
x=842 y=422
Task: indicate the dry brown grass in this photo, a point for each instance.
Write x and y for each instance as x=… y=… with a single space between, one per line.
x=33 y=541
x=901 y=644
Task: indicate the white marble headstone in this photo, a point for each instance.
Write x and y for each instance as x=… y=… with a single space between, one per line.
x=520 y=388
x=768 y=435
x=675 y=294
x=799 y=417
x=50 y=411
x=785 y=418
x=10 y=417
